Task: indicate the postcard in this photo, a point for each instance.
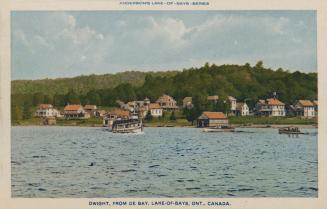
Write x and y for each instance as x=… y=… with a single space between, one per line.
x=162 y=104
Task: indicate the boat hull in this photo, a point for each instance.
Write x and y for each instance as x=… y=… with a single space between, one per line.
x=218 y=130
x=289 y=130
x=126 y=131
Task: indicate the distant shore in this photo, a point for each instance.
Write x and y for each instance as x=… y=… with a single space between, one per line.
x=180 y=126
x=242 y=122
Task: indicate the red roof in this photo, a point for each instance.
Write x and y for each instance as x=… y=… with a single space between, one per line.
x=215 y=115
x=305 y=103
x=119 y=113
x=166 y=98
x=154 y=106
x=274 y=102
x=73 y=107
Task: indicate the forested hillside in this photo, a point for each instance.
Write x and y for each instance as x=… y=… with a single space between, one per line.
x=81 y=84
x=244 y=82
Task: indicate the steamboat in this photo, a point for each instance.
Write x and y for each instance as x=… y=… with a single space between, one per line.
x=131 y=125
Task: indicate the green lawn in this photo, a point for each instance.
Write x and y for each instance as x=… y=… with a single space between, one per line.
x=28 y=122
x=247 y=120
x=177 y=122
x=180 y=121
x=60 y=122
x=166 y=120
x=80 y=122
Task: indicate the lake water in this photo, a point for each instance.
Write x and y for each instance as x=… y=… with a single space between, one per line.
x=162 y=162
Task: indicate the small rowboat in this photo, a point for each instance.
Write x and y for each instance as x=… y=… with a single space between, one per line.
x=289 y=130
x=219 y=129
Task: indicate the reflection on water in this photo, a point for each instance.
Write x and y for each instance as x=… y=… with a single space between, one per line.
x=162 y=162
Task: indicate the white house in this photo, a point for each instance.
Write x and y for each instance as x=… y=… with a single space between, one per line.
x=242 y=109
x=46 y=110
x=155 y=110
x=270 y=107
x=305 y=108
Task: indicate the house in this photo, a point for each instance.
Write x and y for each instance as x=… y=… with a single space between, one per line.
x=75 y=111
x=167 y=102
x=119 y=113
x=212 y=119
x=46 y=110
x=270 y=107
x=305 y=108
x=242 y=109
x=213 y=98
x=100 y=113
x=232 y=103
x=115 y=114
x=155 y=110
x=187 y=103
x=91 y=109
x=135 y=106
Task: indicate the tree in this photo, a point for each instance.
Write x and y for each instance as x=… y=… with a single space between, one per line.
x=125 y=92
x=59 y=100
x=199 y=100
x=259 y=64
x=148 y=116
x=247 y=65
x=206 y=66
x=38 y=98
x=93 y=97
x=48 y=99
x=27 y=114
x=172 y=116
x=16 y=113
x=72 y=97
x=191 y=115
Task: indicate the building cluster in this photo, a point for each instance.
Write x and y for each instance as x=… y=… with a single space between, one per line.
x=70 y=111
x=142 y=108
x=269 y=107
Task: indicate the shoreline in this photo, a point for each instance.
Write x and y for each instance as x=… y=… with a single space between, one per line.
x=179 y=126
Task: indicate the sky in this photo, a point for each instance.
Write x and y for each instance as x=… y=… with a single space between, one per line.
x=66 y=44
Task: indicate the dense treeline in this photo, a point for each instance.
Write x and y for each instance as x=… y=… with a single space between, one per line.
x=245 y=82
x=82 y=84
